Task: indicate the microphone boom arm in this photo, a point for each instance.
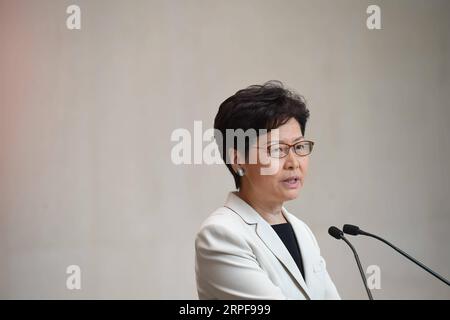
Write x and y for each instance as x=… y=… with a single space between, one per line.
x=403 y=253
x=361 y=271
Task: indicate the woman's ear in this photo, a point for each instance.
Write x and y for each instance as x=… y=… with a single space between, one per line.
x=237 y=160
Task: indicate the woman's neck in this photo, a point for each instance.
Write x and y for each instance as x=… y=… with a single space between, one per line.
x=270 y=211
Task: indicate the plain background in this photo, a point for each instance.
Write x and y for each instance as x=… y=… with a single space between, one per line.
x=86 y=116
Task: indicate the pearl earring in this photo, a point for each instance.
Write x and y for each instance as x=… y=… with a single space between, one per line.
x=240 y=172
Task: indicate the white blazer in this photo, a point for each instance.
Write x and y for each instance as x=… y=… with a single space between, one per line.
x=240 y=256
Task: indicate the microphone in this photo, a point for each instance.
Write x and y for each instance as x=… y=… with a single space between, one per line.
x=355 y=230
x=338 y=234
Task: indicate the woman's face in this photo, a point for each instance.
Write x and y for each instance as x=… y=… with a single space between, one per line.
x=269 y=177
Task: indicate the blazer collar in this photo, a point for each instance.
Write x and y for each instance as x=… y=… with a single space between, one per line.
x=271 y=239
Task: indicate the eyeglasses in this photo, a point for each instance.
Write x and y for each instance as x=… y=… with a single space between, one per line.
x=281 y=150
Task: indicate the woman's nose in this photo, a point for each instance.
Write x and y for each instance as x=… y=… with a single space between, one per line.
x=292 y=159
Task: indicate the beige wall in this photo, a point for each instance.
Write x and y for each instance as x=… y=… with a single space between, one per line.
x=86 y=117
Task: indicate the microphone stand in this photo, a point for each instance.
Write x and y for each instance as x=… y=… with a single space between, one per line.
x=359 y=266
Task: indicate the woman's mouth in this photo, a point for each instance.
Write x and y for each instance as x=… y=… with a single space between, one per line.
x=291 y=182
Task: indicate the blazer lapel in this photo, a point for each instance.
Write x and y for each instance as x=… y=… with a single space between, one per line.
x=270 y=238
x=274 y=243
x=304 y=244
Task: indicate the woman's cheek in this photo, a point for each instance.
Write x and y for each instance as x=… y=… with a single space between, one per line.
x=272 y=169
x=304 y=166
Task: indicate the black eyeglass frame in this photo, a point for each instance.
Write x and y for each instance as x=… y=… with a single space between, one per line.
x=311 y=143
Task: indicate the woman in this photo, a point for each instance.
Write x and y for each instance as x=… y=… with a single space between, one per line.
x=252 y=247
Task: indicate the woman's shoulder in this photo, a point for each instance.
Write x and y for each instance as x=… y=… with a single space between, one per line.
x=222 y=217
x=222 y=229
x=300 y=223
x=294 y=219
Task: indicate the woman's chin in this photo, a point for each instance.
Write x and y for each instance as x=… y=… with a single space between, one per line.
x=291 y=194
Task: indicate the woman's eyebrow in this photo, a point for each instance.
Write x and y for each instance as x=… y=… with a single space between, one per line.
x=282 y=141
x=298 y=139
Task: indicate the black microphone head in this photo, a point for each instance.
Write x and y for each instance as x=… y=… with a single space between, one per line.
x=335 y=232
x=351 y=229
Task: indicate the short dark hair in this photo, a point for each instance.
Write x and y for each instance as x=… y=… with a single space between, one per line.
x=266 y=106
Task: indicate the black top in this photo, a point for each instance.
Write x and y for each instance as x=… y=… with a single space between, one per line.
x=287 y=235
